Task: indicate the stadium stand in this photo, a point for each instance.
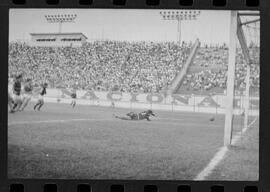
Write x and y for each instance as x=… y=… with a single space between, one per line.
x=101 y=65
x=128 y=66
x=208 y=74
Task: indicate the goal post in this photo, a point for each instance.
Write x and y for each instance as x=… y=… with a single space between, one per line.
x=230 y=79
x=237 y=34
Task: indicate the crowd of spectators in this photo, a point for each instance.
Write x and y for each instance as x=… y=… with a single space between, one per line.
x=129 y=66
x=210 y=55
x=205 y=80
x=101 y=65
x=211 y=64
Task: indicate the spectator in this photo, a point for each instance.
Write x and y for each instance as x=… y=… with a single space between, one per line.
x=101 y=65
x=129 y=66
x=211 y=62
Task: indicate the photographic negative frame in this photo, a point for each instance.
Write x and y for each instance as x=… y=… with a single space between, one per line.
x=141 y=183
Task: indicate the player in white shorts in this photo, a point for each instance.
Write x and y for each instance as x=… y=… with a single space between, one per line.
x=28 y=88
x=73 y=98
x=43 y=92
x=10 y=95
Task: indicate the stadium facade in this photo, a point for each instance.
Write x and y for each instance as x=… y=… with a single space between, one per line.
x=58 y=39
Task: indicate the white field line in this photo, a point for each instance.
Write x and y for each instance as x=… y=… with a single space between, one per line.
x=54 y=121
x=219 y=156
x=154 y=121
x=184 y=124
x=70 y=120
x=201 y=176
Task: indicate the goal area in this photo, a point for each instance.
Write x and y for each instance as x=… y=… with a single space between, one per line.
x=242 y=93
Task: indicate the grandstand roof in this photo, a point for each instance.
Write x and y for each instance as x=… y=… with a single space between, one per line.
x=60 y=34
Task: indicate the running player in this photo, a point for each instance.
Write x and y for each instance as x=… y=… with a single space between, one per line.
x=17 y=93
x=112 y=104
x=10 y=102
x=73 y=97
x=43 y=92
x=10 y=99
x=28 y=88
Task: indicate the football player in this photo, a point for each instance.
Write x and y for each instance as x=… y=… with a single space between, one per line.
x=17 y=93
x=73 y=98
x=40 y=101
x=28 y=88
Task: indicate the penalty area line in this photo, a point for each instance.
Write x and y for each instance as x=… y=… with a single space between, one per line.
x=54 y=121
x=219 y=156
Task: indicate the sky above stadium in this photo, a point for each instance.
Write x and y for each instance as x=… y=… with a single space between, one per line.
x=124 y=25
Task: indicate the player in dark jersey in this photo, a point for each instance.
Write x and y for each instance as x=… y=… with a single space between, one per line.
x=17 y=93
x=73 y=97
x=43 y=92
x=137 y=116
x=28 y=88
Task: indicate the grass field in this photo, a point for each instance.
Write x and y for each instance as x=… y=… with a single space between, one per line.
x=88 y=142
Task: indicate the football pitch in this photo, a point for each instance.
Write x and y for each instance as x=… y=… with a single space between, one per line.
x=87 y=142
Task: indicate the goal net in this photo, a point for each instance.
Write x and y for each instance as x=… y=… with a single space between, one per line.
x=247 y=74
